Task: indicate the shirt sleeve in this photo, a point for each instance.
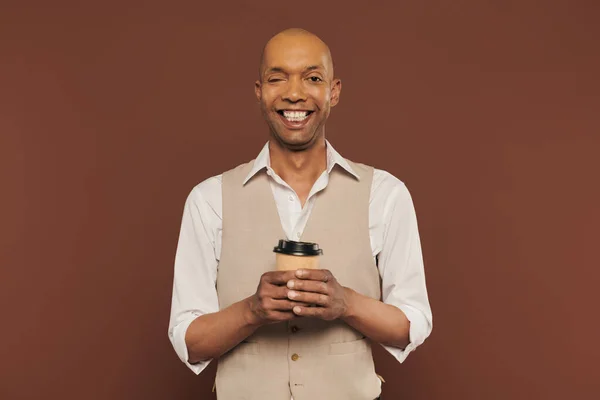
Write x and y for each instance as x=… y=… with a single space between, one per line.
x=401 y=266
x=195 y=269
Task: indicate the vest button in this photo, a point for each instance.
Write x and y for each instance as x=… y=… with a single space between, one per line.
x=295 y=357
x=295 y=329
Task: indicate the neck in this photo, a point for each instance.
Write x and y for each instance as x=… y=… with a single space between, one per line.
x=299 y=167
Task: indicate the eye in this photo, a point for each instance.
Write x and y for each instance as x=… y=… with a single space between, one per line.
x=315 y=79
x=275 y=79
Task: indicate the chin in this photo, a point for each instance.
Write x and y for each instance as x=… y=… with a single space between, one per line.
x=296 y=140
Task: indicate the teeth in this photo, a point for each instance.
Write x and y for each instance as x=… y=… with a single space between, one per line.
x=295 y=116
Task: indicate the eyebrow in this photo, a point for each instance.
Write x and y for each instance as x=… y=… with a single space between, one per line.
x=274 y=69
x=314 y=67
x=282 y=70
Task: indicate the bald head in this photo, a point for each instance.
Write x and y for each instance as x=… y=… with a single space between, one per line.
x=292 y=41
x=296 y=88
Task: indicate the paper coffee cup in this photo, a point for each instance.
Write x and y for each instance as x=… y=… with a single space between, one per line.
x=291 y=255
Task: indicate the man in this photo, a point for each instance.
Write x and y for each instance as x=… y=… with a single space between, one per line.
x=229 y=302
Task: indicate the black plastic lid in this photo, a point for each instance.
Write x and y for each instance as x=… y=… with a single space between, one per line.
x=293 y=248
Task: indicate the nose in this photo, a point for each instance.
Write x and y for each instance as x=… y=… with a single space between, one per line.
x=294 y=91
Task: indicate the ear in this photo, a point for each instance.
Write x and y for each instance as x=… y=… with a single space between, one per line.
x=258 y=90
x=336 y=88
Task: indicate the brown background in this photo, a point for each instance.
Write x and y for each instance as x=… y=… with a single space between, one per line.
x=487 y=110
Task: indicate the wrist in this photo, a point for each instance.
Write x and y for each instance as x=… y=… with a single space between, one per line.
x=250 y=317
x=350 y=300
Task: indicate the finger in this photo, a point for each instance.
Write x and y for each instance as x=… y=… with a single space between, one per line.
x=308 y=297
x=277 y=277
x=275 y=292
x=317 y=312
x=281 y=315
x=322 y=275
x=308 y=286
x=286 y=305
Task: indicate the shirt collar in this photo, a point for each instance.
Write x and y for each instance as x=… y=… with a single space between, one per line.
x=263 y=161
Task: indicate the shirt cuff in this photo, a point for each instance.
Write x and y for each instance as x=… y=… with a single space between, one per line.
x=177 y=337
x=419 y=330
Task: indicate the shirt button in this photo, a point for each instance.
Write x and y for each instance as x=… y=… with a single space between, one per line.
x=298 y=234
x=295 y=329
x=291 y=198
x=295 y=357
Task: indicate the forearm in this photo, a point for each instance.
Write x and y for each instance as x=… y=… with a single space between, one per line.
x=382 y=323
x=212 y=335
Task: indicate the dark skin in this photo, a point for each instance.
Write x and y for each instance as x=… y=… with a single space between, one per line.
x=296 y=73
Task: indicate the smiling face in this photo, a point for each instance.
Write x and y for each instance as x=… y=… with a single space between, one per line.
x=296 y=89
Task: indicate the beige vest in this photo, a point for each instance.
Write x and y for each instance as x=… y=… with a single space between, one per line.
x=308 y=358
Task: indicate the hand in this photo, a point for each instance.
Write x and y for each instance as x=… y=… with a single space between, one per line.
x=319 y=287
x=270 y=303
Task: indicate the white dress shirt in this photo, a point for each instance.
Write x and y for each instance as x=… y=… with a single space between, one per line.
x=394 y=241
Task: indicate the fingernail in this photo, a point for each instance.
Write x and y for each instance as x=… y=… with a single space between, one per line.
x=297 y=310
x=292 y=294
x=290 y=284
x=299 y=272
